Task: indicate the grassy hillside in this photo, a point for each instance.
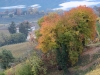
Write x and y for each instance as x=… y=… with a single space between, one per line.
x=18 y=50
x=89 y=62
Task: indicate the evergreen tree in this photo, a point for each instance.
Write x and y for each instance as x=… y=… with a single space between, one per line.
x=24 y=28
x=12 y=28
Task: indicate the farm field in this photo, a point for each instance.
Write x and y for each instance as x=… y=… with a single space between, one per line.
x=18 y=50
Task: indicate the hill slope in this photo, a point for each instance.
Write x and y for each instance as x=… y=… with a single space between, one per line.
x=18 y=50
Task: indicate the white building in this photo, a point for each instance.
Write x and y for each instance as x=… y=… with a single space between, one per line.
x=17 y=30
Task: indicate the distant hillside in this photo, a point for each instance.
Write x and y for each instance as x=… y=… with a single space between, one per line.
x=19 y=19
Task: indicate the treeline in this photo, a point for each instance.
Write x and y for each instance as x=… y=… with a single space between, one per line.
x=12 y=39
x=15 y=36
x=18 y=12
x=23 y=27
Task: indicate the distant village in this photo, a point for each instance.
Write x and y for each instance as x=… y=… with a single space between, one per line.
x=18 y=12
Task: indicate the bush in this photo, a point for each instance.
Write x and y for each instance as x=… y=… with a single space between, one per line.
x=37 y=65
x=2 y=73
x=12 y=39
x=6 y=57
x=49 y=59
x=17 y=38
x=25 y=69
x=33 y=66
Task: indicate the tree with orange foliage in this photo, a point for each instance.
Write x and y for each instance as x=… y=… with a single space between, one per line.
x=67 y=34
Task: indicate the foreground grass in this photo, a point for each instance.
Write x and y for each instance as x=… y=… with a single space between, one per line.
x=90 y=67
x=95 y=71
x=18 y=50
x=92 y=70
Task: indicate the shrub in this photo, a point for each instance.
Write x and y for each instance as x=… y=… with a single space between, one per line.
x=6 y=57
x=17 y=38
x=2 y=73
x=12 y=39
x=49 y=59
x=37 y=65
x=32 y=66
x=24 y=69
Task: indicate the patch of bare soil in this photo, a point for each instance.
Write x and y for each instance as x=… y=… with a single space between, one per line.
x=91 y=51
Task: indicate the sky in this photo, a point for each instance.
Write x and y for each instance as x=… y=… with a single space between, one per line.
x=48 y=4
x=75 y=3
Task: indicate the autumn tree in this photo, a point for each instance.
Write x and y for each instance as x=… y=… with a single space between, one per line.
x=67 y=34
x=12 y=28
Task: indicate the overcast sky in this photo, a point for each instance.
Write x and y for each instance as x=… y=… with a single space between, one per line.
x=66 y=4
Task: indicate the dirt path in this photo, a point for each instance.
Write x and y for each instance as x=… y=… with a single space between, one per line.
x=89 y=65
x=90 y=51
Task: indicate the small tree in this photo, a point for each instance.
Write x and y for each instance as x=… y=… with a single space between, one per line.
x=6 y=57
x=12 y=28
